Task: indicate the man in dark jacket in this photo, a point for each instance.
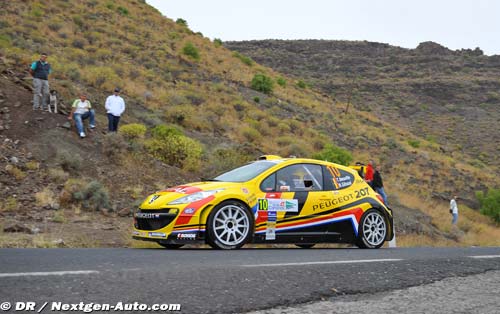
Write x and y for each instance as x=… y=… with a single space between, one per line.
x=378 y=185
x=40 y=71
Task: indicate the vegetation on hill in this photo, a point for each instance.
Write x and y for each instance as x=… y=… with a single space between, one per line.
x=194 y=108
x=444 y=96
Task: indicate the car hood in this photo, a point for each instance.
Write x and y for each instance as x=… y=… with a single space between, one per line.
x=160 y=199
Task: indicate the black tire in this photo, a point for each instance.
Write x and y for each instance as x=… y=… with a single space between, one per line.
x=372 y=230
x=230 y=225
x=305 y=246
x=171 y=246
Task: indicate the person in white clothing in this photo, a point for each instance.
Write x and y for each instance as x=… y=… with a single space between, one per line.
x=115 y=106
x=454 y=210
x=81 y=110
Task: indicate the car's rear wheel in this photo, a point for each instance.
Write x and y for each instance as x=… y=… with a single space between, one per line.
x=372 y=230
x=171 y=246
x=305 y=246
x=230 y=225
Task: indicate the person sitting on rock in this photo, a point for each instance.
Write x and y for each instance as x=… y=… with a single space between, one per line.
x=81 y=110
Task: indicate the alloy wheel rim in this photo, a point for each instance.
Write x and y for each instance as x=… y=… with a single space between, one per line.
x=231 y=225
x=374 y=229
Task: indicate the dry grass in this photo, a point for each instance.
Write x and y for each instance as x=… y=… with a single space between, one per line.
x=473 y=228
x=45 y=197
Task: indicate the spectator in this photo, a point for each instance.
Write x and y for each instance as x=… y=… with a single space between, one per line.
x=378 y=184
x=81 y=110
x=115 y=106
x=369 y=173
x=454 y=210
x=40 y=71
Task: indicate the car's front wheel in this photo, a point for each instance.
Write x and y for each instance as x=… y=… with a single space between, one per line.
x=230 y=225
x=372 y=230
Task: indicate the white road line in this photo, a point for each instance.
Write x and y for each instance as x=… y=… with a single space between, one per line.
x=325 y=262
x=485 y=256
x=50 y=273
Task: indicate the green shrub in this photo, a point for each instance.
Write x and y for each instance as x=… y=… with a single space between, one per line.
x=181 y=22
x=256 y=99
x=224 y=159
x=281 y=81
x=262 y=83
x=334 y=154
x=191 y=51
x=176 y=150
x=122 y=11
x=217 y=42
x=133 y=130
x=69 y=162
x=414 y=143
x=490 y=203
x=246 y=60
x=94 y=196
x=165 y=131
x=301 y=84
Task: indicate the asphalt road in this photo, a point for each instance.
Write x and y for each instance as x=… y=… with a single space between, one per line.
x=210 y=281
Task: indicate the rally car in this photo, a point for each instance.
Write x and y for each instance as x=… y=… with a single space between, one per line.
x=271 y=200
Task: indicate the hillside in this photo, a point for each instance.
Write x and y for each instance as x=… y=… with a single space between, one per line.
x=448 y=97
x=191 y=112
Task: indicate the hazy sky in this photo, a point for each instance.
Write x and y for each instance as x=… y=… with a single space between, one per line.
x=454 y=24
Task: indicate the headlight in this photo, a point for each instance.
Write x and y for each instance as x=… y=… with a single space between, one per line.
x=194 y=197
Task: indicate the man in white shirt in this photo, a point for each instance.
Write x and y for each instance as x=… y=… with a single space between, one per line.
x=454 y=210
x=81 y=110
x=115 y=106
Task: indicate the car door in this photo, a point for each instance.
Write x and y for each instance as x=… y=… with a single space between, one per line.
x=292 y=193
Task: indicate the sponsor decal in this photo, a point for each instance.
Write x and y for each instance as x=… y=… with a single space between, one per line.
x=189 y=211
x=271 y=225
x=340 y=181
x=147 y=215
x=273 y=205
x=332 y=203
x=186 y=236
x=245 y=190
x=153 y=198
x=157 y=234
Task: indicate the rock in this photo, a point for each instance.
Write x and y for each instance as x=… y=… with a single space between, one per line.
x=124 y=212
x=35 y=230
x=105 y=212
x=67 y=125
x=17 y=228
x=17 y=104
x=14 y=160
x=39 y=118
x=26 y=122
x=59 y=242
x=55 y=206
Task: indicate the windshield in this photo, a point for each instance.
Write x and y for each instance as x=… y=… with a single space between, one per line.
x=247 y=172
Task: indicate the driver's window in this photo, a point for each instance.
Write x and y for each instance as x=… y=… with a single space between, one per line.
x=300 y=177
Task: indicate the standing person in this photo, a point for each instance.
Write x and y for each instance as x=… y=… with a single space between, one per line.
x=369 y=173
x=81 y=110
x=454 y=210
x=40 y=71
x=115 y=106
x=378 y=184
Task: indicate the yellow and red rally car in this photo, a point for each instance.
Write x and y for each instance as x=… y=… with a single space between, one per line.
x=271 y=200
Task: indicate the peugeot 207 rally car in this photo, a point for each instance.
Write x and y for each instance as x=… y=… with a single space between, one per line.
x=272 y=200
